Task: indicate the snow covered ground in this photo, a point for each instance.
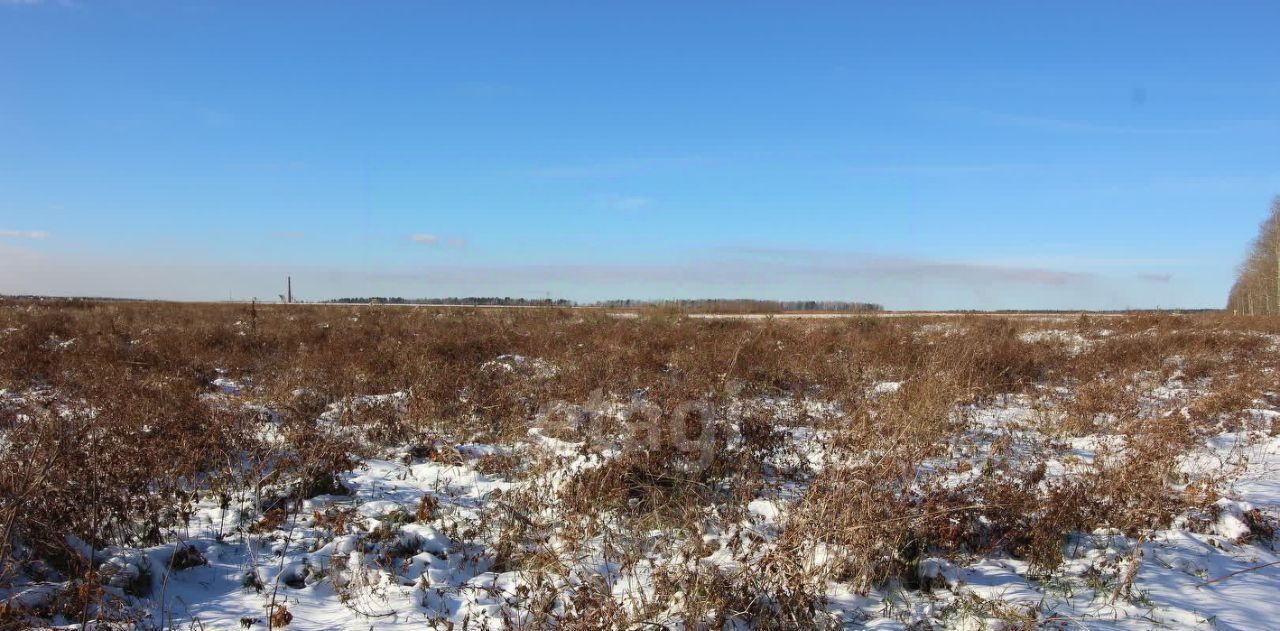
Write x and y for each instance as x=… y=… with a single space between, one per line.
x=399 y=551
x=476 y=535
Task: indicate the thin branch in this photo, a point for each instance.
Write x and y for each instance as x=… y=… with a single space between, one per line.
x=1237 y=573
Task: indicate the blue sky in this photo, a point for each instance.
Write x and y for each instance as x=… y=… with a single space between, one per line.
x=922 y=155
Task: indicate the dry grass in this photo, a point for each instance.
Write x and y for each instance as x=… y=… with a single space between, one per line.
x=110 y=435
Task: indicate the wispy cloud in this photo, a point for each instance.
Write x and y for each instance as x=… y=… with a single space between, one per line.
x=288 y=234
x=24 y=234
x=948 y=271
x=1070 y=125
x=828 y=264
x=629 y=203
x=269 y=166
x=939 y=170
x=1102 y=262
x=750 y=268
x=1155 y=278
x=433 y=240
x=17 y=256
x=627 y=167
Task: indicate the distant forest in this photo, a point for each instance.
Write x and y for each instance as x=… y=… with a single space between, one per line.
x=708 y=305
x=742 y=305
x=471 y=301
x=1257 y=286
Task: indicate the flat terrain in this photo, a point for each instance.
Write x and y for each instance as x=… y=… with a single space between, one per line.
x=221 y=466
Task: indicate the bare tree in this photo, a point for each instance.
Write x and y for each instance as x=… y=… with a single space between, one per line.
x=1257 y=287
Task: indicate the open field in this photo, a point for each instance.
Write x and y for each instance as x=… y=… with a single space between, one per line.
x=781 y=315
x=221 y=466
x=1052 y=316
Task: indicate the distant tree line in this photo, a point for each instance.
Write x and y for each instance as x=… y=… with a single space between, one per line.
x=742 y=305
x=86 y=299
x=483 y=301
x=1257 y=287
x=696 y=305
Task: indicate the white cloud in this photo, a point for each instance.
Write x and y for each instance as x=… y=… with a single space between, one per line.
x=17 y=257
x=630 y=203
x=24 y=234
x=835 y=264
x=435 y=240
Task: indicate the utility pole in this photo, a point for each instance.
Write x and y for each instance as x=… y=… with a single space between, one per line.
x=289 y=290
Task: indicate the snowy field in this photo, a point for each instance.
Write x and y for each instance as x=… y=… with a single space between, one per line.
x=560 y=471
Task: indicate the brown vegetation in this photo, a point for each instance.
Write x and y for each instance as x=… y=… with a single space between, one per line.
x=109 y=434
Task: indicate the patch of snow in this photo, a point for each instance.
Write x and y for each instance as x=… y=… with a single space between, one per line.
x=886 y=387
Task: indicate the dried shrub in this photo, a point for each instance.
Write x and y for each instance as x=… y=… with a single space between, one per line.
x=115 y=426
